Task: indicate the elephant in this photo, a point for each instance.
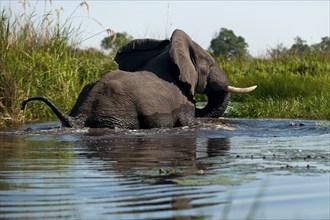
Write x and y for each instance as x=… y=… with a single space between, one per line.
x=154 y=87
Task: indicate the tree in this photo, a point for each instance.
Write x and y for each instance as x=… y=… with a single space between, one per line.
x=279 y=51
x=115 y=41
x=324 y=45
x=227 y=44
x=299 y=47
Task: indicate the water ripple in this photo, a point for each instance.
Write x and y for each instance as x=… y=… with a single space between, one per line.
x=213 y=169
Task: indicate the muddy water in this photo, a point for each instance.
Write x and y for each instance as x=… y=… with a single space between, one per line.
x=232 y=169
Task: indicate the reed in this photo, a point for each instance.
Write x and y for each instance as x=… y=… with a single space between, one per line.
x=39 y=58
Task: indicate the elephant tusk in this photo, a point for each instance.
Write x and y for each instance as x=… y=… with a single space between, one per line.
x=241 y=90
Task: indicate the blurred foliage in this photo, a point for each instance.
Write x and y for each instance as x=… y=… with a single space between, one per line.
x=227 y=45
x=115 y=41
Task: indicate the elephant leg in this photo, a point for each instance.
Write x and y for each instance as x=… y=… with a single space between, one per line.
x=157 y=120
x=112 y=112
x=182 y=116
x=185 y=115
x=113 y=122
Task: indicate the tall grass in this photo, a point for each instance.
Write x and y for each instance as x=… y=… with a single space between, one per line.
x=38 y=58
x=290 y=86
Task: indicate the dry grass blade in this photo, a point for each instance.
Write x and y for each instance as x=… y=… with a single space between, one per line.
x=84 y=4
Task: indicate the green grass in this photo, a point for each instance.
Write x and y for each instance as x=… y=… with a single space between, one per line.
x=38 y=58
x=288 y=87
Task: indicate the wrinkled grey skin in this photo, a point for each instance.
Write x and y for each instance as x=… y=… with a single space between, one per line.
x=154 y=87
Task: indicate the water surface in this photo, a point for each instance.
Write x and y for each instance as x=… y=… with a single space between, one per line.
x=232 y=169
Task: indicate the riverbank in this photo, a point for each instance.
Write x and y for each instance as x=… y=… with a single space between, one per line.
x=44 y=61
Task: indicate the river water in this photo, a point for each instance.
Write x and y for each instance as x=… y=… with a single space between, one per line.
x=215 y=169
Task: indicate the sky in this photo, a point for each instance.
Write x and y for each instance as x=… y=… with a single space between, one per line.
x=263 y=24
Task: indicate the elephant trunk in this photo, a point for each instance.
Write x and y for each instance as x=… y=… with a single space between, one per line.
x=216 y=105
x=218 y=92
x=66 y=120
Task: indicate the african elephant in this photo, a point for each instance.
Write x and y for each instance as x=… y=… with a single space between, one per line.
x=154 y=87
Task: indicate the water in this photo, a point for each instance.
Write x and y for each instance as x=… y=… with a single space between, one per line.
x=215 y=169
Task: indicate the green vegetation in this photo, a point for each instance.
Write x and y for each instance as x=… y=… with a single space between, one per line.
x=40 y=58
x=115 y=41
x=227 y=45
x=289 y=86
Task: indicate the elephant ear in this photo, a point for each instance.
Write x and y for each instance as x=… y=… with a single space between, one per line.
x=183 y=55
x=134 y=55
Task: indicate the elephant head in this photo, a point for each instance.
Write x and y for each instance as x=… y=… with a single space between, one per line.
x=194 y=68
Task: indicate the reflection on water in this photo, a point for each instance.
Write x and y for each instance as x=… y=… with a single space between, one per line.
x=214 y=169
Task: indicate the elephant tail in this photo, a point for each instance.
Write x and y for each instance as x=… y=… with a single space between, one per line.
x=66 y=120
